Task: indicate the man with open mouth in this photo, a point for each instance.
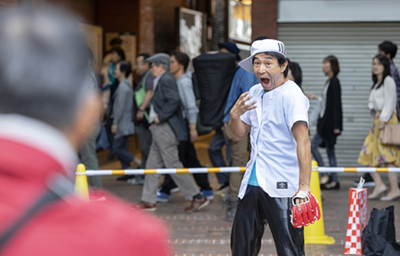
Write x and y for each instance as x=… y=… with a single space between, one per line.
x=275 y=114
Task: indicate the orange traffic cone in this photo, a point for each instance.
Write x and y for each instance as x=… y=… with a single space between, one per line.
x=315 y=233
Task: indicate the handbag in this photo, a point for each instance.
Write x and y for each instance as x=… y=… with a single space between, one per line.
x=390 y=134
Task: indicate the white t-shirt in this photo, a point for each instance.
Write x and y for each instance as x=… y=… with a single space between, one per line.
x=275 y=153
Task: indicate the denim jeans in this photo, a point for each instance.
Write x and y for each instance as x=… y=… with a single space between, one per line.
x=120 y=148
x=316 y=141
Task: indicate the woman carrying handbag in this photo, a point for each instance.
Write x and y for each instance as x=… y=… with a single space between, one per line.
x=382 y=102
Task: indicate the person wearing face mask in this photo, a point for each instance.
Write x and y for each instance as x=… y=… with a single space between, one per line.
x=382 y=100
x=274 y=112
x=330 y=121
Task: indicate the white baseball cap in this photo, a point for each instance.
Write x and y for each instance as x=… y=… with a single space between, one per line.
x=259 y=46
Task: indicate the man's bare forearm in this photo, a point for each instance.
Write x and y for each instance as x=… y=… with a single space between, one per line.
x=300 y=133
x=238 y=128
x=304 y=158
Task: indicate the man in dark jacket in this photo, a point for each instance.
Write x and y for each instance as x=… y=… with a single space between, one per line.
x=168 y=128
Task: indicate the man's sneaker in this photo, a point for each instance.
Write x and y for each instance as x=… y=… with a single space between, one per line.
x=369 y=182
x=138 y=180
x=208 y=193
x=197 y=204
x=145 y=206
x=162 y=197
x=125 y=177
x=223 y=189
x=96 y=195
x=175 y=190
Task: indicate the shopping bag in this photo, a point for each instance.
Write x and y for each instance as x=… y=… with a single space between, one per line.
x=379 y=232
x=357 y=219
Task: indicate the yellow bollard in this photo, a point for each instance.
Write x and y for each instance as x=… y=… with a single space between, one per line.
x=315 y=233
x=81 y=184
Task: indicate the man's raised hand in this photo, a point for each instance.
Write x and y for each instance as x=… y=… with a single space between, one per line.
x=240 y=106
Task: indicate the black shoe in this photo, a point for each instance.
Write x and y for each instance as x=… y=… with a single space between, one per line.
x=333 y=185
x=369 y=182
x=125 y=177
x=111 y=157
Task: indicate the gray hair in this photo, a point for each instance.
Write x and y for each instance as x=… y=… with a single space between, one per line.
x=42 y=64
x=165 y=65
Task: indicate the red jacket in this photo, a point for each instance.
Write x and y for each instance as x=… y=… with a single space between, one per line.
x=61 y=228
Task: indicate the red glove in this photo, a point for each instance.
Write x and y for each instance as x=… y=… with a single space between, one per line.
x=309 y=213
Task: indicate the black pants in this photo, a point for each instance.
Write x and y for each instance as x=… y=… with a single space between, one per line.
x=254 y=212
x=188 y=157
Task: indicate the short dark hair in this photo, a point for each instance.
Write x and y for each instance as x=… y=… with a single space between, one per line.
x=281 y=61
x=125 y=67
x=261 y=38
x=296 y=72
x=115 y=41
x=383 y=59
x=334 y=64
x=182 y=59
x=145 y=55
x=119 y=51
x=388 y=48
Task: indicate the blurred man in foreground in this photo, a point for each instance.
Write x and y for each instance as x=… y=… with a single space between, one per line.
x=45 y=115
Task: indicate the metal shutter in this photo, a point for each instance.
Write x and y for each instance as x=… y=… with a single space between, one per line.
x=354 y=44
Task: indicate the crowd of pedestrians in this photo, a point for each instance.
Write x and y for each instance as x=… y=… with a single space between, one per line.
x=162 y=109
x=50 y=125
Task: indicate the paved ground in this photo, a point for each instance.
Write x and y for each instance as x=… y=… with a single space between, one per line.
x=207 y=233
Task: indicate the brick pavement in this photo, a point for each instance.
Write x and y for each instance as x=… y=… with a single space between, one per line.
x=207 y=233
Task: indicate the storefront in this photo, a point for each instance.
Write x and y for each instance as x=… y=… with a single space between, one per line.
x=350 y=30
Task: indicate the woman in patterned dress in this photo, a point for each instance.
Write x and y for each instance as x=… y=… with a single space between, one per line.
x=382 y=102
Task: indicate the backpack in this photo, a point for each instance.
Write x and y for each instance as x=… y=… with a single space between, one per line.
x=212 y=80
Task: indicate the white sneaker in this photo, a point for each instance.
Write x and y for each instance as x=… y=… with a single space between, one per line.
x=136 y=181
x=175 y=190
